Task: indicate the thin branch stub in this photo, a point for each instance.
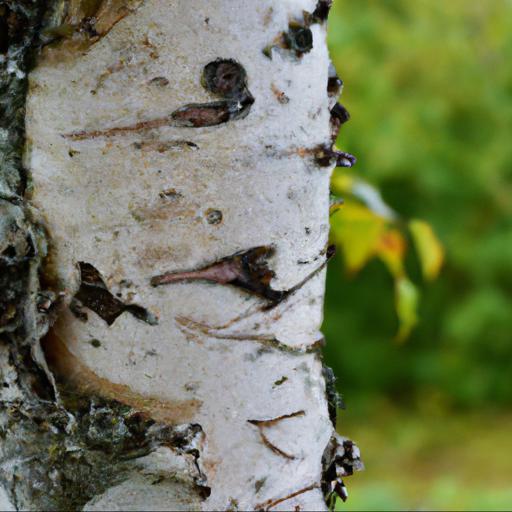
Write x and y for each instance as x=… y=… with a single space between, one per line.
x=247 y=270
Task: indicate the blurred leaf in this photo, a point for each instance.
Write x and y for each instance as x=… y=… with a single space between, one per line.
x=341 y=182
x=344 y=184
x=430 y=250
x=357 y=231
x=391 y=250
x=406 y=298
x=335 y=207
x=429 y=88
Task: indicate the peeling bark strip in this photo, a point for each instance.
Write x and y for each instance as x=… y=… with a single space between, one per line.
x=94 y=295
x=266 y=340
x=341 y=459
x=75 y=25
x=223 y=77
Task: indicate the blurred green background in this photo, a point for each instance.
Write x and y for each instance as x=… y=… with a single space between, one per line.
x=429 y=87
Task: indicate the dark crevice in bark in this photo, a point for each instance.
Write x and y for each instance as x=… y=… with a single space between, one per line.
x=274 y=448
x=20 y=21
x=334 y=399
x=166 y=145
x=293 y=43
x=245 y=269
x=94 y=295
x=272 y=421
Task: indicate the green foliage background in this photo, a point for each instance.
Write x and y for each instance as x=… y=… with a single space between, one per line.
x=429 y=87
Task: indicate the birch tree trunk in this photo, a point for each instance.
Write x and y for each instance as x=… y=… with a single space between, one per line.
x=163 y=238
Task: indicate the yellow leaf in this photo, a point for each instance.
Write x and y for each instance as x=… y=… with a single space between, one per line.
x=391 y=250
x=357 y=231
x=406 y=301
x=430 y=250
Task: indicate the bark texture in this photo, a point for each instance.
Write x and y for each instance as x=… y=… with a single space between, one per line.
x=163 y=250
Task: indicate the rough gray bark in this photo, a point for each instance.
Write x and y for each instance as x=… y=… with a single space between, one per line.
x=162 y=254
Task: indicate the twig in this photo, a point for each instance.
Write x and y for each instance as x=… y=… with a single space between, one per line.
x=267 y=505
x=262 y=424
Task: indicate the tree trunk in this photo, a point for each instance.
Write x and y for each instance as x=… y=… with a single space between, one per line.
x=163 y=249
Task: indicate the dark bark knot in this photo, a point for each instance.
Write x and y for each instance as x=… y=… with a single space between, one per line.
x=94 y=295
x=247 y=270
x=295 y=42
x=298 y=39
x=322 y=9
x=325 y=156
x=339 y=116
x=224 y=78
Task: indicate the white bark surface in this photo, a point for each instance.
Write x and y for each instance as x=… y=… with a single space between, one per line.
x=101 y=200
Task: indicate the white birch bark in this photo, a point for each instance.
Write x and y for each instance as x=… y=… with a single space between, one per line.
x=123 y=189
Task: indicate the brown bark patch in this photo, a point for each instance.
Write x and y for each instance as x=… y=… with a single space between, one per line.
x=85 y=23
x=76 y=378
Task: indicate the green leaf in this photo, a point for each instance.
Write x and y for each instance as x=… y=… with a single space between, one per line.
x=406 y=301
